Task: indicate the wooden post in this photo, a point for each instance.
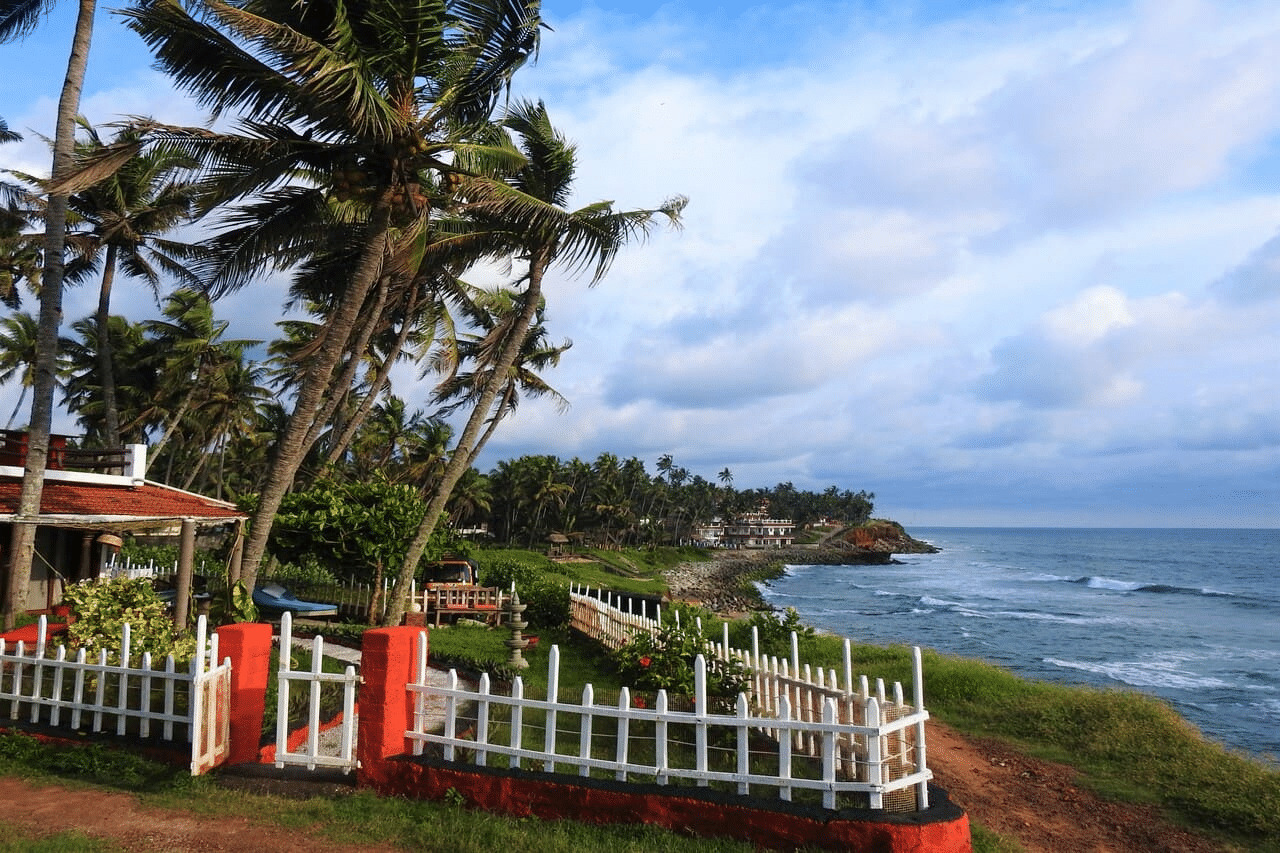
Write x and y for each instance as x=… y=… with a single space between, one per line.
x=186 y=560
x=235 y=568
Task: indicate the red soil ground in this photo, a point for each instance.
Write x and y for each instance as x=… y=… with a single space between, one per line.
x=1036 y=802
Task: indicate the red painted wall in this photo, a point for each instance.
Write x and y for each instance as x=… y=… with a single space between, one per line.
x=944 y=828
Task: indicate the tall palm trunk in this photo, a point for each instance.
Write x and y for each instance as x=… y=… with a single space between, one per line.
x=22 y=542
x=460 y=459
x=380 y=382
x=341 y=387
x=292 y=447
x=106 y=364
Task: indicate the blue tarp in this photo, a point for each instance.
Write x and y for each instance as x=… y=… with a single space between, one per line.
x=277 y=598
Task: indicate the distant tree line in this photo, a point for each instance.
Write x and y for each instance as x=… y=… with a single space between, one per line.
x=616 y=502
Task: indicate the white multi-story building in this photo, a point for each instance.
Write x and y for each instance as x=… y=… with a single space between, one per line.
x=749 y=530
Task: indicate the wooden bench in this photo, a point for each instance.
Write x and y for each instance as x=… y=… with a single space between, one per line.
x=447 y=602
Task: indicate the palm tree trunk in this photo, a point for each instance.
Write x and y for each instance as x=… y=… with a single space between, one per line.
x=106 y=365
x=17 y=407
x=171 y=426
x=342 y=385
x=292 y=448
x=379 y=383
x=508 y=393
x=460 y=459
x=22 y=542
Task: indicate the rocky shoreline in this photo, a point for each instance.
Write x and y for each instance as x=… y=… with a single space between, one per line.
x=724 y=583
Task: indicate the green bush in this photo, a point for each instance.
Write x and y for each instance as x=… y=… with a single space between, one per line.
x=773 y=631
x=103 y=607
x=665 y=661
x=547 y=601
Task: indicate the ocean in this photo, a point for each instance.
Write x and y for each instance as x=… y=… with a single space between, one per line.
x=1192 y=616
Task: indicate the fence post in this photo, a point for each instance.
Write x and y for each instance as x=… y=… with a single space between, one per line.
x=922 y=762
x=387 y=664
x=249 y=647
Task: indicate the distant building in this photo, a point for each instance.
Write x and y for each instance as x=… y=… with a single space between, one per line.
x=749 y=530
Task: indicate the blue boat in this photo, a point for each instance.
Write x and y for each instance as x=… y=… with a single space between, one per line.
x=273 y=598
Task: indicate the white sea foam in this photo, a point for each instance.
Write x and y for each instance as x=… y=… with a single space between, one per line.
x=1039 y=616
x=1151 y=673
x=1112 y=583
x=930 y=601
x=1041 y=577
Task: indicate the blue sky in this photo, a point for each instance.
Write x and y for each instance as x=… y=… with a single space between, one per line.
x=998 y=263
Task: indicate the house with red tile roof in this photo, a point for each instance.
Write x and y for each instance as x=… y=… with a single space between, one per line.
x=91 y=498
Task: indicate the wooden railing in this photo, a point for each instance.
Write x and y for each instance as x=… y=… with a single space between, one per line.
x=447 y=602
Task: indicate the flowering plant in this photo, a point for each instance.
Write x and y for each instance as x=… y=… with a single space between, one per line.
x=664 y=661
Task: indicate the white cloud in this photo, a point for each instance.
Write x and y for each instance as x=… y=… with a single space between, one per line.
x=1009 y=258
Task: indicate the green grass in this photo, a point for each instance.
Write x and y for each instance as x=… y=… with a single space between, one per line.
x=1129 y=746
x=630 y=570
x=63 y=842
x=361 y=818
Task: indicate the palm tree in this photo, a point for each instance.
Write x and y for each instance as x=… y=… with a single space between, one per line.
x=19 y=252
x=494 y=313
x=18 y=333
x=233 y=391
x=344 y=109
x=18 y=18
x=526 y=216
x=193 y=358
x=126 y=214
x=132 y=366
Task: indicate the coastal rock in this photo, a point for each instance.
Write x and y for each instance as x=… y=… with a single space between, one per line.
x=718 y=583
x=884 y=537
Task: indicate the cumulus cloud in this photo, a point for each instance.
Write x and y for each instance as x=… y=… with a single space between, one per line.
x=1000 y=258
x=1255 y=280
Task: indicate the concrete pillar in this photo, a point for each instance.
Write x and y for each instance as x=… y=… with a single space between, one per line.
x=387 y=662
x=249 y=647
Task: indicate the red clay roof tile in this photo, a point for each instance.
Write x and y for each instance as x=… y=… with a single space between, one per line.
x=147 y=501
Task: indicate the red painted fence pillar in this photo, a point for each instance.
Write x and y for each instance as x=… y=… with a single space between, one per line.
x=388 y=659
x=249 y=647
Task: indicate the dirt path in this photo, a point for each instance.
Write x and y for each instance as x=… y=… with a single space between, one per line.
x=40 y=810
x=1034 y=801
x=1039 y=804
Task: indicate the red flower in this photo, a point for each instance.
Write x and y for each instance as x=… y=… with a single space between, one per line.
x=645 y=661
x=639 y=703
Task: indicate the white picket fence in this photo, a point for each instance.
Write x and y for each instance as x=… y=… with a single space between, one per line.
x=150 y=700
x=786 y=687
x=126 y=567
x=825 y=732
x=629 y=741
x=315 y=751
x=597 y=616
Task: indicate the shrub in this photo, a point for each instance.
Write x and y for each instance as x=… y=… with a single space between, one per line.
x=547 y=600
x=773 y=631
x=665 y=661
x=103 y=607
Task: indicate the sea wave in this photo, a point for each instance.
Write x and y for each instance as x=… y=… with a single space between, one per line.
x=1100 y=582
x=1152 y=673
